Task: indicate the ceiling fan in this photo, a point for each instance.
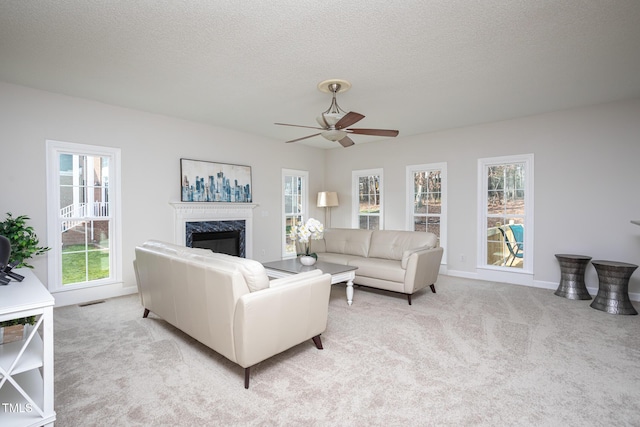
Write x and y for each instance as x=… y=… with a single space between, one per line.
x=335 y=122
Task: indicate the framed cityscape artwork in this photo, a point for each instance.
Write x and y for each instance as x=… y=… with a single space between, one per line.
x=203 y=181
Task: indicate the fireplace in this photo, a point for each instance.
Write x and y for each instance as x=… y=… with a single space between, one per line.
x=227 y=237
x=214 y=217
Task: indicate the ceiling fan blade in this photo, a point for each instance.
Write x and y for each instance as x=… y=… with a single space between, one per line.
x=299 y=126
x=375 y=132
x=305 y=137
x=350 y=118
x=346 y=142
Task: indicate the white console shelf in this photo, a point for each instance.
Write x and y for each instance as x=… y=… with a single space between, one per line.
x=26 y=367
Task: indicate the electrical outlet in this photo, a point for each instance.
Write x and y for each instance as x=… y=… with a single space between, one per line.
x=463 y=258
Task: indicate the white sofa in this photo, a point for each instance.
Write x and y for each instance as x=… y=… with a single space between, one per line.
x=398 y=261
x=228 y=303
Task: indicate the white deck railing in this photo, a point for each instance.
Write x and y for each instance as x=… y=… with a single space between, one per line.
x=79 y=212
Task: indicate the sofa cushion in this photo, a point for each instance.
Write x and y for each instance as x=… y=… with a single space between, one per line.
x=163 y=247
x=336 y=258
x=252 y=271
x=316 y=246
x=174 y=250
x=348 y=241
x=384 y=269
x=390 y=244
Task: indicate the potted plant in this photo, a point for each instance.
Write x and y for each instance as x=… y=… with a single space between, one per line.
x=24 y=242
x=13 y=330
x=312 y=230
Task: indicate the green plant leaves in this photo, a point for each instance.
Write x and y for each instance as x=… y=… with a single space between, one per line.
x=31 y=320
x=24 y=242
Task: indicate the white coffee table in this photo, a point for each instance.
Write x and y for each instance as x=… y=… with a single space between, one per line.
x=339 y=273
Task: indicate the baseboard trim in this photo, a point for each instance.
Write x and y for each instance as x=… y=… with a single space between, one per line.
x=84 y=295
x=633 y=296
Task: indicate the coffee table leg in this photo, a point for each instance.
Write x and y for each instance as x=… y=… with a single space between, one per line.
x=350 y=291
x=347 y=277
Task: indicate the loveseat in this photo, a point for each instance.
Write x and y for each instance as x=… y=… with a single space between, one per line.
x=229 y=304
x=398 y=261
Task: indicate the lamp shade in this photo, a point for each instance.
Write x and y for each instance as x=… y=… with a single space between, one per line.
x=327 y=199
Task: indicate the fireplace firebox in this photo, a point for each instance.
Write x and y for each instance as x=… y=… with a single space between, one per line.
x=228 y=237
x=224 y=242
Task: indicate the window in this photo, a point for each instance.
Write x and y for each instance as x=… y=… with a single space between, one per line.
x=83 y=215
x=427 y=200
x=367 y=208
x=294 y=206
x=506 y=214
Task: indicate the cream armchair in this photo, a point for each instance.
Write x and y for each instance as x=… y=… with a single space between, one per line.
x=228 y=303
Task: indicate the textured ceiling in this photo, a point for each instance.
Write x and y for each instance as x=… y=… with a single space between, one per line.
x=417 y=66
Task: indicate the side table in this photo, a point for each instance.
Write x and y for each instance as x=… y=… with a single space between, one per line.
x=26 y=366
x=572 y=269
x=613 y=289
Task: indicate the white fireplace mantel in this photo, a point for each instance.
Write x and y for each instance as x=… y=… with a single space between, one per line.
x=213 y=211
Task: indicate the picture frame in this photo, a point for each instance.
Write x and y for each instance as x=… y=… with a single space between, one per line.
x=204 y=181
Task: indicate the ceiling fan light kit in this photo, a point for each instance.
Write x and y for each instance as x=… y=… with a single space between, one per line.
x=334 y=134
x=334 y=121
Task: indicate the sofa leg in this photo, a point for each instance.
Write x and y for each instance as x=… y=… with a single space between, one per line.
x=247 y=372
x=433 y=288
x=146 y=313
x=409 y=298
x=317 y=341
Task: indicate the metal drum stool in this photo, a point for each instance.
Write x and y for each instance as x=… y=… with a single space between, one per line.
x=572 y=268
x=613 y=290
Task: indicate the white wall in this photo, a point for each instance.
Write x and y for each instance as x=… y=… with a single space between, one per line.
x=151 y=148
x=587 y=172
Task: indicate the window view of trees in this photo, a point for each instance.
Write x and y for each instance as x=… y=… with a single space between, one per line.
x=294 y=207
x=427 y=206
x=505 y=213
x=369 y=199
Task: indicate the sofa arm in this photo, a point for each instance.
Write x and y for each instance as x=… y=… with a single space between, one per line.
x=273 y=320
x=422 y=269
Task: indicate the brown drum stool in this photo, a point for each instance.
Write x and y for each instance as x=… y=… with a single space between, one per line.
x=613 y=290
x=572 y=268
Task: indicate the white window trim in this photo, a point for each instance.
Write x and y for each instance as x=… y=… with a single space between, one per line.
x=507 y=274
x=355 y=190
x=305 y=206
x=411 y=170
x=54 y=149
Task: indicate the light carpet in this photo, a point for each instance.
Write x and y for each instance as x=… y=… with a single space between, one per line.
x=474 y=354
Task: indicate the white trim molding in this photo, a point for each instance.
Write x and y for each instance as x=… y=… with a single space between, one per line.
x=409 y=188
x=54 y=149
x=524 y=275
x=355 y=199
x=303 y=208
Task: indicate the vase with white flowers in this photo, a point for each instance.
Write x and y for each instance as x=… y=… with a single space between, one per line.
x=305 y=233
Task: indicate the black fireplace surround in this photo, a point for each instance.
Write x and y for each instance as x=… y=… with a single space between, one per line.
x=219 y=236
